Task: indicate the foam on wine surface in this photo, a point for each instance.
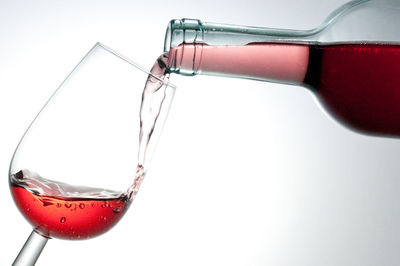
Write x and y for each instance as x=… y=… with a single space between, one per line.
x=40 y=186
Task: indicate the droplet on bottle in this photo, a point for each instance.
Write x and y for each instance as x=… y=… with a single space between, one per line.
x=68 y=205
x=82 y=205
x=63 y=219
x=58 y=205
x=28 y=209
x=104 y=204
x=117 y=210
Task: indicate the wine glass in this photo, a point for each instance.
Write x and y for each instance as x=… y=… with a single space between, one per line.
x=75 y=171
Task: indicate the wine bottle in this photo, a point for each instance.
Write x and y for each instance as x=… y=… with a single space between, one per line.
x=351 y=62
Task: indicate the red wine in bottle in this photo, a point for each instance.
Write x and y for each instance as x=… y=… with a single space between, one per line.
x=358 y=83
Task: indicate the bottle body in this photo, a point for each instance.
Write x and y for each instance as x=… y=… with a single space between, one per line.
x=354 y=75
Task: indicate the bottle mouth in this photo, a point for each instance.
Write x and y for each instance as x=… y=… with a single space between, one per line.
x=181 y=31
x=182 y=60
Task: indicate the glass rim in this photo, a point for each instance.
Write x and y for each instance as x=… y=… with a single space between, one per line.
x=129 y=61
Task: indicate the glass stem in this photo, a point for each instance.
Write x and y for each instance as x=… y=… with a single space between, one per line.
x=31 y=250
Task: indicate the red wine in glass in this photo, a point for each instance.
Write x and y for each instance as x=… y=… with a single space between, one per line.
x=64 y=211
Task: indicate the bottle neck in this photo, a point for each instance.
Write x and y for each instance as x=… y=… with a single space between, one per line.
x=194 y=47
x=179 y=32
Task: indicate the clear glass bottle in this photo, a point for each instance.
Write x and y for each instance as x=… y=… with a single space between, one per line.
x=350 y=62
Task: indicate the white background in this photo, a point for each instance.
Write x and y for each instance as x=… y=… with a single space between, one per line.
x=246 y=173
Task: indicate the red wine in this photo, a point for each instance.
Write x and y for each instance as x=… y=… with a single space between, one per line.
x=153 y=97
x=358 y=83
x=64 y=211
x=265 y=61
